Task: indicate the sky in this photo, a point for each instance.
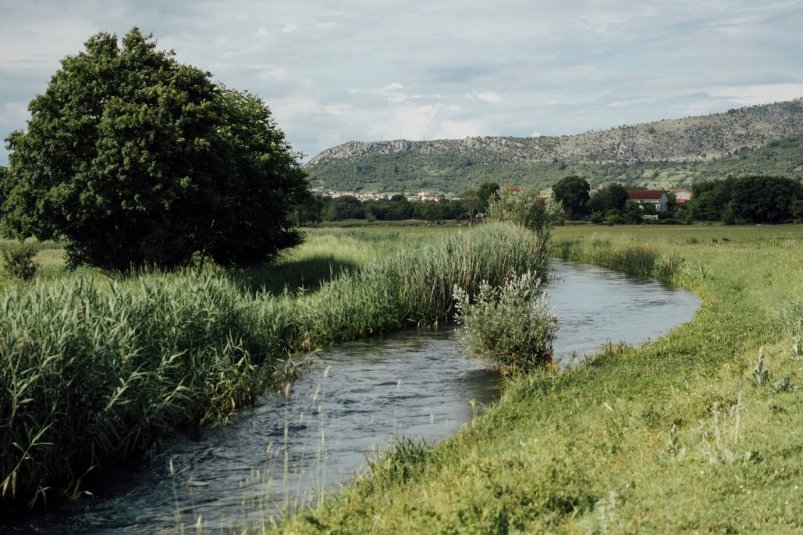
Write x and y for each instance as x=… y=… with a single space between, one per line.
x=341 y=70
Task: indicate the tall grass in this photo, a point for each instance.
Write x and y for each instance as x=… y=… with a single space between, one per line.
x=634 y=259
x=96 y=372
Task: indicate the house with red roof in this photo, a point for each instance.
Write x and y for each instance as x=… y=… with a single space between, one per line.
x=649 y=197
x=682 y=196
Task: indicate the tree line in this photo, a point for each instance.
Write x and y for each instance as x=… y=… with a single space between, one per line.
x=399 y=208
x=733 y=200
x=747 y=200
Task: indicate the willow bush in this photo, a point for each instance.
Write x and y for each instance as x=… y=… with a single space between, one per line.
x=509 y=325
x=93 y=373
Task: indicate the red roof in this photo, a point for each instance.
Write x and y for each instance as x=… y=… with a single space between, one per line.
x=644 y=194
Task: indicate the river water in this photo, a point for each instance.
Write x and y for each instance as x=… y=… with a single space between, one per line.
x=357 y=399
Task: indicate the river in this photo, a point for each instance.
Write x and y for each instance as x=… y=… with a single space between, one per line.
x=359 y=396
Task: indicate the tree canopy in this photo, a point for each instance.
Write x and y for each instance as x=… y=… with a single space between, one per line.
x=135 y=159
x=571 y=193
x=610 y=197
x=750 y=199
x=487 y=193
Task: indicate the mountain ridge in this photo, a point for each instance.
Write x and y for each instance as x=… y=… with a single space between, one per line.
x=690 y=141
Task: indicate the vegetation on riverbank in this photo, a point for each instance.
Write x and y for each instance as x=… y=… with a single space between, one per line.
x=695 y=432
x=95 y=370
x=509 y=326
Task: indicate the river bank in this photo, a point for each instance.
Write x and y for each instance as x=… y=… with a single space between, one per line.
x=693 y=432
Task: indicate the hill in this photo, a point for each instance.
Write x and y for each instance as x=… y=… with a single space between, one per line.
x=764 y=139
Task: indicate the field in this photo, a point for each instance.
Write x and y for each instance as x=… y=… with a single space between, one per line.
x=696 y=432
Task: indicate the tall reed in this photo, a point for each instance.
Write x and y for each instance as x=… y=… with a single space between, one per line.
x=93 y=373
x=633 y=259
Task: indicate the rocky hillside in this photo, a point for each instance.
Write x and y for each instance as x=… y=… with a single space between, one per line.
x=671 y=151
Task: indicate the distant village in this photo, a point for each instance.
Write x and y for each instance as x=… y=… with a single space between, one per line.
x=421 y=196
x=656 y=198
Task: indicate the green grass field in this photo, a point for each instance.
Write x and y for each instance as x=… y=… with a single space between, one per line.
x=700 y=431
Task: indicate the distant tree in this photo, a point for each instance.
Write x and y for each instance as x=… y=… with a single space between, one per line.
x=764 y=199
x=572 y=193
x=470 y=202
x=747 y=199
x=610 y=197
x=135 y=159
x=486 y=193
x=310 y=212
x=345 y=207
x=395 y=209
x=3 y=185
x=633 y=213
x=432 y=211
x=710 y=199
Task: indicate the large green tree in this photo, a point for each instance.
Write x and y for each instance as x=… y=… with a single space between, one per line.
x=571 y=193
x=135 y=159
x=610 y=197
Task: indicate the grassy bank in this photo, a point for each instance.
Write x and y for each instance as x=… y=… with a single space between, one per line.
x=95 y=370
x=696 y=432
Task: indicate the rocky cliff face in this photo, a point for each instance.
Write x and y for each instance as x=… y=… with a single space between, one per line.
x=681 y=140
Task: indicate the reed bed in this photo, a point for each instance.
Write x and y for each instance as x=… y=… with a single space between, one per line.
x=95 y=371
x=634 y=259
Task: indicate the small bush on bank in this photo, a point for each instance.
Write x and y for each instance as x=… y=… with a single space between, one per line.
x=18 y=261
x=508 y=325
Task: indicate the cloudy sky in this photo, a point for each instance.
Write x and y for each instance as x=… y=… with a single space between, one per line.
x=340 y=70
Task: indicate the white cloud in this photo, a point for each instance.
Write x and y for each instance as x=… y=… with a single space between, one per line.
x=408 y=122
x=14 y=114
x=338 y=110
x=394 y=93
x=274 y=73
x=336 y=71
x=485 y=96
x=298 y=106
x=462 y=129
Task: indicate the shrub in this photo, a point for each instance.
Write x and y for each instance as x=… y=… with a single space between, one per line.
x=18 y=261
x=508 y=325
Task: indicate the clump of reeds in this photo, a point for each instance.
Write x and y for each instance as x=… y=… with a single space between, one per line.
x=90 y=375
x=633 y=259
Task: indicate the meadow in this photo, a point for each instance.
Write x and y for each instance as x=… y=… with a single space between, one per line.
x=698 y=431
x=96 y=369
